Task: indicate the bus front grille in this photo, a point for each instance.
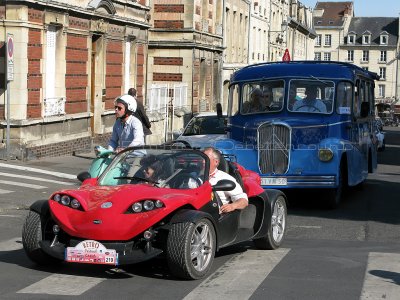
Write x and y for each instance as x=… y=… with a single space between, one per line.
x=273 y=148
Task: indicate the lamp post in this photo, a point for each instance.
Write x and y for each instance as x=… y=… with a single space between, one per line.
x=281 y=36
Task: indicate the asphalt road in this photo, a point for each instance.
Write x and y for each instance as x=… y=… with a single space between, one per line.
x=352 y=252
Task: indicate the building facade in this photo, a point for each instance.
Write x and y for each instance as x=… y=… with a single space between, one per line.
x=71 y=60
x=331 y=23
x=369 y=42
x=184 y=62
x=300 y=34
x=372 y=43
x=237 y=22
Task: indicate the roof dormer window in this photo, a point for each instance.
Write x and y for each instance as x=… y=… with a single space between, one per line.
x=384 y=38
x=366 y=38
x=351 y=39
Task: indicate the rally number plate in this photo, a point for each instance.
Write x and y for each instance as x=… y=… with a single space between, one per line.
x=91 y=252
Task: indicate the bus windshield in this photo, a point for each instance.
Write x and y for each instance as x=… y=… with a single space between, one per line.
x=311 y=96
x=262 y=97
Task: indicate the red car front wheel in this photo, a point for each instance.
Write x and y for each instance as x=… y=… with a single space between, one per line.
x=191 y=248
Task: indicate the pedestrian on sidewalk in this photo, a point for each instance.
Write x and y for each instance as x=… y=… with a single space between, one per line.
x=141 y=114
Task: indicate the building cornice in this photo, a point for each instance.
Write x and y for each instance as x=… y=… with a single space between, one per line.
x=86 y=11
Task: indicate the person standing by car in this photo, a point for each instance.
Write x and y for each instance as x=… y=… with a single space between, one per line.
x=127 y=129
x=231 y=200
x=141 y=114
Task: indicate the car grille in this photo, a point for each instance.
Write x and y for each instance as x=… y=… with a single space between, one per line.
x=273 y=148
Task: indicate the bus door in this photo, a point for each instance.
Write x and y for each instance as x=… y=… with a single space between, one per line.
x=360 y=127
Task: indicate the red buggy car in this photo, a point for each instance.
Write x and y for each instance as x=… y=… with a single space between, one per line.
x=126 y=216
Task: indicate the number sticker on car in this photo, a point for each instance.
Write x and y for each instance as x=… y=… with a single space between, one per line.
x=91 y=252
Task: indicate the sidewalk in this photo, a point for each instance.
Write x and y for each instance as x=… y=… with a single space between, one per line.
x=69 y=165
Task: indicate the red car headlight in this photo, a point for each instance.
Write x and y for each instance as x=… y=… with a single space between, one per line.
x=67 y=200
x=145 y=205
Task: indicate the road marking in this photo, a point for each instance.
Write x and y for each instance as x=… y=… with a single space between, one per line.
x=11 y=245
x=382 y=276
x=35 y=178
x=240 y=276
x=306 y=226
x=62 y=284
x=57 y=174
x=28 y=185
x=5 y=191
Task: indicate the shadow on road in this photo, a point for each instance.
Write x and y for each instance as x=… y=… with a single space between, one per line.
x=375 y=200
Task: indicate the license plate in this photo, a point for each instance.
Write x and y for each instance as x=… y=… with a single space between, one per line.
x=274 y=181
x=91 y=252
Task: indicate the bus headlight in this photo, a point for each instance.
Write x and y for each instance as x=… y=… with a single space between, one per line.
x=325 y=154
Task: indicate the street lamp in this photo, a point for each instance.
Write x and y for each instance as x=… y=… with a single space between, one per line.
x=281 y=36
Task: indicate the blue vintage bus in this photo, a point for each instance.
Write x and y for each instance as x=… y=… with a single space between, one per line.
x=303 y=124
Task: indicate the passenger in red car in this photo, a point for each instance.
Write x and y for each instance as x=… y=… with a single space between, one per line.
x=231 y=200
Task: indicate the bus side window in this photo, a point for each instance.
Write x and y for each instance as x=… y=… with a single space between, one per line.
x=343 y=98
x=233 y=108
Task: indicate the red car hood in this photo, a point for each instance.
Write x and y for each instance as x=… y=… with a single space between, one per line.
x=117 y=223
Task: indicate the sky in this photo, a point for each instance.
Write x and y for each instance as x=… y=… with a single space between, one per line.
x=367 y=8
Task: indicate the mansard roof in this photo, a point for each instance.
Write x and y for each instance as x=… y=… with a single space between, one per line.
x=375 y=26
x=331 y=14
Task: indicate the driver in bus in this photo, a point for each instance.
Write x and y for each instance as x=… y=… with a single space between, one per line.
x=310 y=103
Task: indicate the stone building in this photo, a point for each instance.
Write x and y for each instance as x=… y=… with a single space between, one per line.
x=71 y=60
x=372 y=43
x=331 y=22
x=238 y=26
x=300 y=33
x=369 y=42
x=184 y=62
x=277 y=31
x=280 y=25
x=260 y=12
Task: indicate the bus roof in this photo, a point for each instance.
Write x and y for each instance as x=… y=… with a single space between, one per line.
x=304 y=69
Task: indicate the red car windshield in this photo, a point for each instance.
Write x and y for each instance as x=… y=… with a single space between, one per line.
x=166 y=168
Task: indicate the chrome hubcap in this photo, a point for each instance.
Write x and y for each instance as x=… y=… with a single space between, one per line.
x=201 y=246
x=278 y=221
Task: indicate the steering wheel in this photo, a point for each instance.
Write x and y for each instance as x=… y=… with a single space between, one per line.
x=311 y=108
x=182 y=181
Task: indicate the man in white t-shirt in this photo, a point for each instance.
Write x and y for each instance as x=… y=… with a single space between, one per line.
x=231 y=200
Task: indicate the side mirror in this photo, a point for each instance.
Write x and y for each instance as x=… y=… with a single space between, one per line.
x=176 y=133
x=364 y=109
x=83 y=176
x=224 y=185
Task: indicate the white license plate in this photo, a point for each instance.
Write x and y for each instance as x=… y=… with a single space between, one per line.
x=274 y=181
x=91 y=252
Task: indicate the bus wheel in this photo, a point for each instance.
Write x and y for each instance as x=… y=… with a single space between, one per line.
x=334 y=195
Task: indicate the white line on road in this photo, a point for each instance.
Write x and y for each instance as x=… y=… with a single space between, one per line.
x=306 y=226
x=240 y=276
x=11 y=245
x=382 y=277
x=28 y=185
x=5 y=191
x=35 y=178
x=62 y=284
x=57 y=174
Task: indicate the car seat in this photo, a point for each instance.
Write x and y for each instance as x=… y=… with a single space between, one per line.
x=230 y=168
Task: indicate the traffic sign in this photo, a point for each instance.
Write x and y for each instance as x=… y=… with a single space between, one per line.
x=286 y=56
x=10 y=57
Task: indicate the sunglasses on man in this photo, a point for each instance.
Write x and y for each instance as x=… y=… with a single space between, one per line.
x=118 y=107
